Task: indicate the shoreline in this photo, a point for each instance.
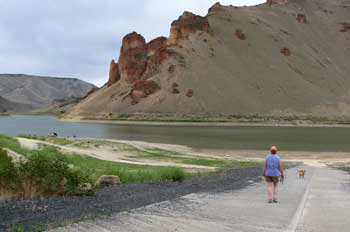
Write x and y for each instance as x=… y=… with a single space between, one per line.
x=179 y=123
x=187 y=122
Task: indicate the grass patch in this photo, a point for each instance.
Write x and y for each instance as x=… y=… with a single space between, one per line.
x=237 y=118
x=9 y=178
x=88 y=143
x=171 y=156
x=89 y=168
x=54 y=140
x=149 y=154
x=219 y=163
x=12 y=144
x=128 y=173
x=20 y=228
x=49 y=172
x=43 y=173
x=160 y=118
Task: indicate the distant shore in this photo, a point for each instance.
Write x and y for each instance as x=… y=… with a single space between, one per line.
x=188 y=122
x=202 y=121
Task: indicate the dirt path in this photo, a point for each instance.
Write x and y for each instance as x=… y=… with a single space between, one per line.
x=14 y=155
x=28 y=143
x=320 y=203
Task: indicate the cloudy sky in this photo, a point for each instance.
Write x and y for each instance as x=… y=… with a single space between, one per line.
x=78 y=38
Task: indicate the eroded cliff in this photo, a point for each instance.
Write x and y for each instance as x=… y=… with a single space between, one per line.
x=278 y=58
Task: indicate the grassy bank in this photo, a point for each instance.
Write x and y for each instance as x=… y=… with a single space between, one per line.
x=287 y=119
x=12 y=144
x=95 y=167
x=145 y=154
x=54 y=140
x=172 y=156
x=40 y=174
x=43 y=171
x=158 y=118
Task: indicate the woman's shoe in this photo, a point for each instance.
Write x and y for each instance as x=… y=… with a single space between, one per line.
x=275 y=200
x=270 y=201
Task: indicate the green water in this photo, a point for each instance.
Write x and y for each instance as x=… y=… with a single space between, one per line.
x=209 y=137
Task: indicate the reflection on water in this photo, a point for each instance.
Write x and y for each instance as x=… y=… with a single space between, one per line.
x=215 y=137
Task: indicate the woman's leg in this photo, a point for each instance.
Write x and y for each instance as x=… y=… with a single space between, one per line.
x=270 y=190
x=275 y=190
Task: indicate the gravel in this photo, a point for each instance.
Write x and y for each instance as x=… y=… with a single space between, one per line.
x=43 y=213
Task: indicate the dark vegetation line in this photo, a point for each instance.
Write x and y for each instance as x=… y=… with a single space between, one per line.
x=255 y=118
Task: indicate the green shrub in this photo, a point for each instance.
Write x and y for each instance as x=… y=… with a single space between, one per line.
x=12 y=143
x=9 y=179
x=47 y=171
x=18 y=229
x=44 y=173
x=49 y=174
x=74 y=179
x=174 y=174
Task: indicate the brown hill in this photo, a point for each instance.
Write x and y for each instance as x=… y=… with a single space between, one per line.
x=284 y=57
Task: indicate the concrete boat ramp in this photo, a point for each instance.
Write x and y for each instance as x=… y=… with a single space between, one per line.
x=320 y=202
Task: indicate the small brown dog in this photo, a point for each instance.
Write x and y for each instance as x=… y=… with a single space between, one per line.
x=302 y=174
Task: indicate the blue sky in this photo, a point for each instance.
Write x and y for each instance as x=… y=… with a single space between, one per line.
x=78 y=38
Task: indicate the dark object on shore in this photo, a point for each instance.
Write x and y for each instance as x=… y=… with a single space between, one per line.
x=108 y=181
x=54 y=134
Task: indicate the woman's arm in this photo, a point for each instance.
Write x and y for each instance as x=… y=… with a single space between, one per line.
x=280 y=167
x=264 y=168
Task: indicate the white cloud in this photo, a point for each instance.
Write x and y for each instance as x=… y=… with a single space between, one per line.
x=78 y=38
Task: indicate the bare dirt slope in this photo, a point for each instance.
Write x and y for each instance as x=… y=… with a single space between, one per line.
x=36 y=92
x=280 y=59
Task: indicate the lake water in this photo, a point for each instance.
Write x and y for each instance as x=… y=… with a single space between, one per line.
x=210 y=137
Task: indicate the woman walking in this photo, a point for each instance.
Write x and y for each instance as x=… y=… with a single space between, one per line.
x=272 y=171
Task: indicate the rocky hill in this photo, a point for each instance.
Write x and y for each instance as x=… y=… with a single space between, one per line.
x=284 y=57
x=23 y=93
x=8 y=106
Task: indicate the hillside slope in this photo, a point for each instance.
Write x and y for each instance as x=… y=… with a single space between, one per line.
x=8 y=106
x=279 y=58
x=39 y=93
